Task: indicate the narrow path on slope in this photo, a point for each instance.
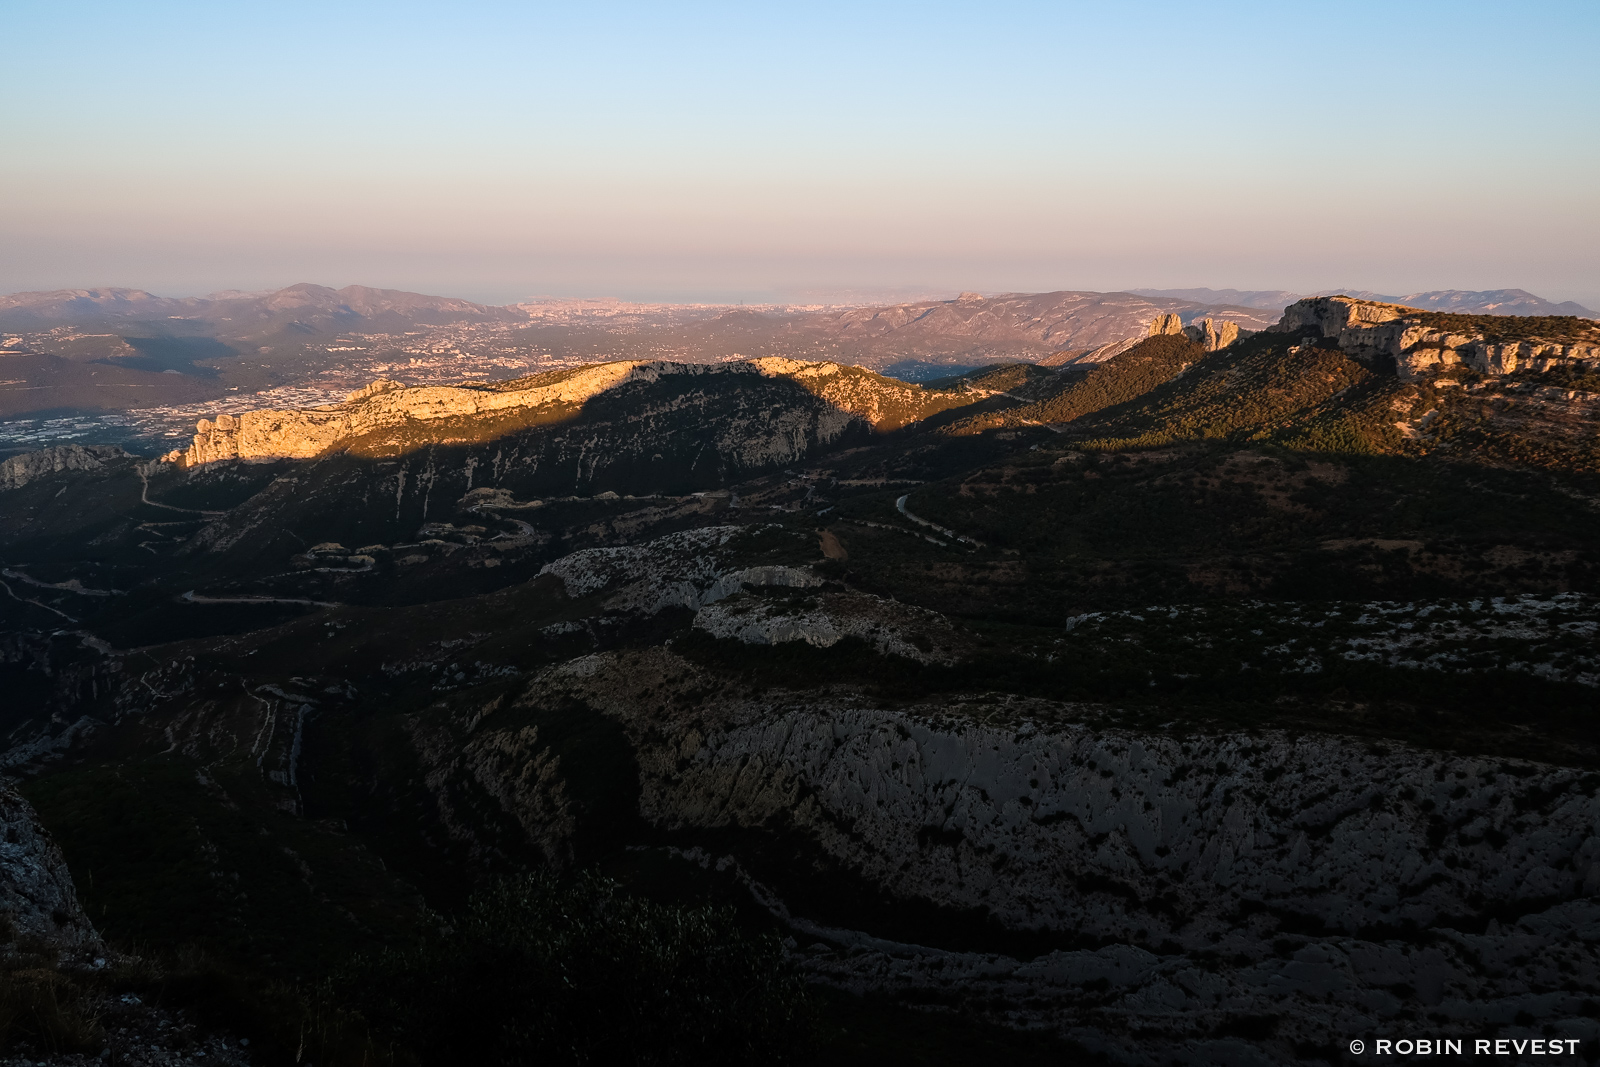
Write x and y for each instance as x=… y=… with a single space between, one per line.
x=192 y=597
x=36 y=603
x=900 y=505
x=144 y=494
x=72 y=586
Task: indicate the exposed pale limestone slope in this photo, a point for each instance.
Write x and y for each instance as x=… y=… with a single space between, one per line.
x=685 y=570
x=1031 y=812
x=825 y=619
x=1320 y=879
x=303 y=434
x=18 y=471
x=1372 y=332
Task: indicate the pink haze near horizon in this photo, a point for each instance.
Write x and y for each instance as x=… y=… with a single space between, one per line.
x=719 y=152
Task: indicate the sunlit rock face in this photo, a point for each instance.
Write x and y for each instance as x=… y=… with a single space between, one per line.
x=1210 y=334
x=1375 y=333
x=1214 y=334
x=849 y=396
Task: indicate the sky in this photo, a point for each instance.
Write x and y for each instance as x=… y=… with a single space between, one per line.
x=751 y=151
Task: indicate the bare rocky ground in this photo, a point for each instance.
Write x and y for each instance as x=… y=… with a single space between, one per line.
x=141 y=1035
x=1191 y=896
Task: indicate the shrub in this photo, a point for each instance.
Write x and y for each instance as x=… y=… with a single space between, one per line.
x=544 y=971
x=45 y=1009
x=1499 y=328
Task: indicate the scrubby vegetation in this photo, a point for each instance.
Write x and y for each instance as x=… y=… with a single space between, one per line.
x=1310 y=398
x=1131 y=375
x=44 y=1007
x=1503 y=328
x=1570 y=376
x=1082 y=391
x=543 y=971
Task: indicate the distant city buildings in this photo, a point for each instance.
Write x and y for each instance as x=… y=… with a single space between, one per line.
x=430 y=356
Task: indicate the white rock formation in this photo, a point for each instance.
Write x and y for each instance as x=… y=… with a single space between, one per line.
x=825 y=619
x=1045 y=820
x=18 y=471
x=686 y=570
x=854 y=394
x=1175 y=879
x=1164 y=324
x=1374 y=333
x=1214 y=334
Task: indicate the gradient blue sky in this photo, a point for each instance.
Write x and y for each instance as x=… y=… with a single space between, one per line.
x=688 y=151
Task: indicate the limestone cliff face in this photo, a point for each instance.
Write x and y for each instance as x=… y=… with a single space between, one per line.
x=1375 y=333
x=1211 y=334
x=31 y=466
x=885 y=403
x=853 y=395
x=37 y=897
x=1165 y=324
x=1214 y=334
x=1173 y=880
x=1105 y=832
x=304 y=434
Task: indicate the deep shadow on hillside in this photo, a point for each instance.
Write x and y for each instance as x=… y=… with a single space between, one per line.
x=177 y=354
x=1060 y=531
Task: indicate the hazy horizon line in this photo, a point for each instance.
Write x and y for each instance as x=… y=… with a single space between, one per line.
x=859 y=295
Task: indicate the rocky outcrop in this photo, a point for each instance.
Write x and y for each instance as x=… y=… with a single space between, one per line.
x=825 y=619
x=683 y=570
x=18 y=471
x=1332 y=315
x=700 y=570
x=852 y=393
x=1164 y=324
x=1377 y=334
x=304 y=434
x=1107 y=833
x=37 y=898
x=1214 y=334
x=1211 y=334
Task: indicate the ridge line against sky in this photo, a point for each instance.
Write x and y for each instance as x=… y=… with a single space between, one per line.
x=720 y=152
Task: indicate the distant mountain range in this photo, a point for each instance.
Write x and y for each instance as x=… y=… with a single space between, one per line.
x=1461 y=301
x=934 y=337
x=119 y=348
x=302 y=308
x=1055 y=320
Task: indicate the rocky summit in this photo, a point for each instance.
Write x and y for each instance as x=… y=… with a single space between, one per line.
x=1216 y=692
x=1419 y=343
